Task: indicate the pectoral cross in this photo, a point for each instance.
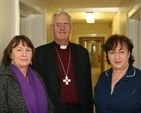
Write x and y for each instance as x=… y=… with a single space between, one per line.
x=66 y=80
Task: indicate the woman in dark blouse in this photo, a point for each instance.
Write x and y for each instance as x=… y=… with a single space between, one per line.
x=118 y=89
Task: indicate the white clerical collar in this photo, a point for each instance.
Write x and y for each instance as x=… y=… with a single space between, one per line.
x=63 y=46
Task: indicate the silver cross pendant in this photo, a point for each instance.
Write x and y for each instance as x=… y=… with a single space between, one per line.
x=66 y=80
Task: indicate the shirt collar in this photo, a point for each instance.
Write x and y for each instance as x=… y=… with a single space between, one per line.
x=131 y=71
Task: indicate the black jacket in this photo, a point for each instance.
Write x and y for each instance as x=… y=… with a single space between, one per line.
x=46 y=65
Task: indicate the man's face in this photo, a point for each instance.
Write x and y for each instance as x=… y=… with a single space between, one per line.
x=61 y=27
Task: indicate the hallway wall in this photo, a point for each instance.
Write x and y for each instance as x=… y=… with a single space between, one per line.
x=124 y=25
x=8 y=26
x=9 y=22
x=119 y=21
x=96 y=28
x=51 y=7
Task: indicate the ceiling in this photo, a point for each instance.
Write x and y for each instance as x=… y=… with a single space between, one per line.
x=78 y=8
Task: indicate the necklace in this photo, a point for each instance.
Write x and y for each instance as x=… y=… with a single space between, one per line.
x=66 y=80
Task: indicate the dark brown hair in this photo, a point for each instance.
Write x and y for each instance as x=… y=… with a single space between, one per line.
x=112 y=43
x=15 y=42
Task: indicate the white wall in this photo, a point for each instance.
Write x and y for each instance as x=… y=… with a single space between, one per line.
x=32 y=21
x=134 y=31
x=8 y=22
x=38 y=35
x=32 y=26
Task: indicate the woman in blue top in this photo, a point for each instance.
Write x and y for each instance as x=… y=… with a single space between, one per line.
x=118 y=89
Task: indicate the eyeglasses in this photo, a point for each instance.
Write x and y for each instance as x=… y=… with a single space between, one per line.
x=61 y=24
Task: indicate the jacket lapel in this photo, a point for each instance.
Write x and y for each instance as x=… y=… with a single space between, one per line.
x=52 y=57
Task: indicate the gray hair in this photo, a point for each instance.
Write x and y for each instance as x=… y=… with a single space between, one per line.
x=60 y=12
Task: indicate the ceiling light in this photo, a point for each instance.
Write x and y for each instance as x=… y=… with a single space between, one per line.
x=90 y=17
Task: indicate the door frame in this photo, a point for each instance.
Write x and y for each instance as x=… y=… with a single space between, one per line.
x=101 y=39
x=32 y=22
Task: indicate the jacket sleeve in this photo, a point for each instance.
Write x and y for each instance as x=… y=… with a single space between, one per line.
x=50 y=105
x=3 y=95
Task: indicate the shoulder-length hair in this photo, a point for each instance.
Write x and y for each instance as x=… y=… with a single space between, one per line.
x=112 y=43
x=15 y=42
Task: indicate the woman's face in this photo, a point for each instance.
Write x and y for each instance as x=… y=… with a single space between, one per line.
x=119 y=57
x=21 y=55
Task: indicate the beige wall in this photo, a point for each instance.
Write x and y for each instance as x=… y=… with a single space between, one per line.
x=90 y=29
x=118 y=24
x=114 y=25
x=119 y=21
x=51 y=7
x=41 y=1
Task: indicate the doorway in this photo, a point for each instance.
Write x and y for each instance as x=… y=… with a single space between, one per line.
x=93 y=45
x=32 y=21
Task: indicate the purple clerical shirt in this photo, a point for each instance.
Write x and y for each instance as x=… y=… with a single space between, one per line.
x=68 y=93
